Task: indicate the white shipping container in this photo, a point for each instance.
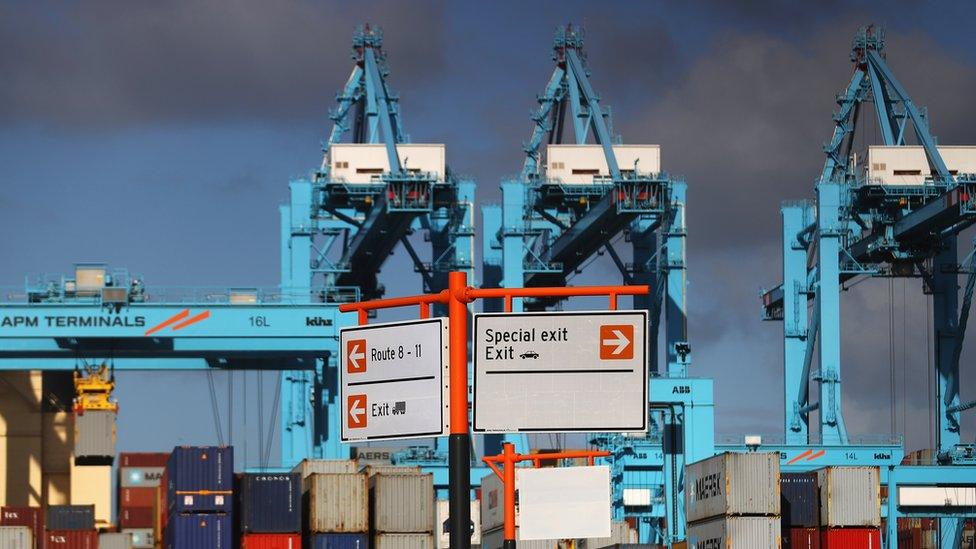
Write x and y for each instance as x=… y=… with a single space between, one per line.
x=735 y=533
x=401 y=503
x=493 y=503
x=16 y=537
x=907 y=165
x=493 y=539
x=620 y=532
x=142 y=538
x=936 y=496
x=442 y=532
x=311 y=466
x=580 y=164
x=363 y=163
x=114 y=540
x=338 y=503
x=732 y=484
x=849 y=496
x=403 y=541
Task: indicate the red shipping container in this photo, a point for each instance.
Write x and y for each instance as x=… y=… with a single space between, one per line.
x=31 y=517
x=801 y=538
x=850 y=538
x=71 y=539
x=137 y=497
x=271 y=541
x=137 y=517
x=143 y=459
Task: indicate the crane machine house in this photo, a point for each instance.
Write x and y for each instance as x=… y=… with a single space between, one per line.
x=908 y=165
x=364 y=163
x=587 y=164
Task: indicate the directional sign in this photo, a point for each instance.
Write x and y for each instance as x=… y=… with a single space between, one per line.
x=560 y=372
x=394 y=380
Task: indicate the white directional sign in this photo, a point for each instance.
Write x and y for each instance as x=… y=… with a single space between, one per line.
x=563 y=502
x=394 y=380
x=560 y=372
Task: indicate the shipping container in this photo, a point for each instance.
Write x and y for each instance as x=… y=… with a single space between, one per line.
x=375 y=469
x=442 y=531
x=621 y=534
x=31 y=517
x=143 y=459
x=200 y=479
x=114 y=540
x=733 y=484
x=137 y=517
x=16 y=537
x=138 y=497
x=309 y=467
x=140 y=477
x=736 y=532
x=70 y=517
x=142 y=538
x=799 y=506
x=493 y=503
x=850 y=538
x=70 y=539
x=270 y=502
x=337 y=541
x=271 y=541
x=801 y=538
x=199 y=531
x=403 y=541
x=95 y=437
x=337 y=503
x=401 y=503
x=849 y=497
x=493 y=539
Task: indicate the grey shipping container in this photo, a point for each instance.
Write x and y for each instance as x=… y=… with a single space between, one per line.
x=115 y=540
x=403 y=541
x=95 y=437
x=493 y=539
x=620 y=533
x=16 y=537
x=142 y=538
x=70 y=517
x=799 y=507
x=337 y=541
x=337 y=503
x=374 y=469
x=493 y=503
x=849 y=496
x=401 y=503
x=732 y=484
x=308 y=467
x=735 y=533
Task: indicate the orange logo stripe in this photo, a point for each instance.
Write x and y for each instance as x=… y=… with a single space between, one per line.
x=799 y=457
x=175 y=318
x=192 y=320
x=815 y=456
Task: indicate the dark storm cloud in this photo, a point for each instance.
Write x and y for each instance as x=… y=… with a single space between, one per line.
x=115 y=63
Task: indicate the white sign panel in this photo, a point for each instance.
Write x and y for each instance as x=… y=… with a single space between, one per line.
x=564 y=502
x=560 y=372
x=394 y=380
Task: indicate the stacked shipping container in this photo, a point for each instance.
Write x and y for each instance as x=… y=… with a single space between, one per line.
x=335 y=504
x=16 y=537
x=70 y=527
x=31 y=517
x=401 y=506
x=270 y=510
x=850 y=507
x=141 y=500
x=800 y=510
x=199 y=498
x=733 y=500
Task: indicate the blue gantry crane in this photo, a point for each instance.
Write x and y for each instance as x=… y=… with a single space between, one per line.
x=581 y=188
x=895 y=211
x=341 y=224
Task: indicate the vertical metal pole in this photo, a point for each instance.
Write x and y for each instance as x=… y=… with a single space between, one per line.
x=509 y=500
x=829 y=234
x=459 y=441
x=795 y=327
x=891 y=527
x=676 y=305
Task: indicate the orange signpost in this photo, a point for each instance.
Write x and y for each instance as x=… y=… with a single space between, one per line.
x=456 y=297
x=508 y=458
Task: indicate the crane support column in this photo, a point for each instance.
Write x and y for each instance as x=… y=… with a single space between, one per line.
x=830 y=232
x=796 y=217
x=676 y=309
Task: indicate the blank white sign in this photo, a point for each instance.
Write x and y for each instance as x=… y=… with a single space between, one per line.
x=564 y=502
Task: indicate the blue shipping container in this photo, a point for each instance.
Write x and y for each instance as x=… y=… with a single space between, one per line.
x=270 y=503
x=338 y=541
x=188 y=531
x=799 y=505
x=200 y=479
x=70 y=517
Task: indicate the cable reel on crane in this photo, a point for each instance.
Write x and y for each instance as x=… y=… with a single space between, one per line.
x=95 y=414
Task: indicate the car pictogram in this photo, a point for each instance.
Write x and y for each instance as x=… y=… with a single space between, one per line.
x=529 y=354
